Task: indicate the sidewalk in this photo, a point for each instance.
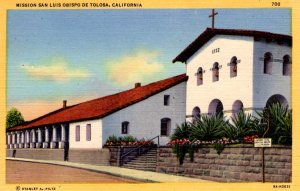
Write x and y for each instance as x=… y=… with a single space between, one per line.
x=144 y=176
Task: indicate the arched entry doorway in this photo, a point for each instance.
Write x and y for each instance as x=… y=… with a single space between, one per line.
x=277 y=98
x=196 y=114
x=215 y=107
x=237 y=106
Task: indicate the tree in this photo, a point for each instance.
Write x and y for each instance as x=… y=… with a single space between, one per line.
x=13 y=118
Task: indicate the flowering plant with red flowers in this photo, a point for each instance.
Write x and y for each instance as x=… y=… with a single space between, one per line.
x=250 y=139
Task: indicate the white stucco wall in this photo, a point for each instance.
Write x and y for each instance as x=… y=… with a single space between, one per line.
x=227 y=89
x=266 y=85
x=145 y=116
x=96 y=134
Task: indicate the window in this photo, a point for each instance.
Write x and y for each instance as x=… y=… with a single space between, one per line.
x=268 y=59
x=77 y=133
x=165 y=127
x=88 y=132
x=166 y=99
x=200 y=76
x=286 y=68
x=215 y=70
x=125 y=127
x=233 y=67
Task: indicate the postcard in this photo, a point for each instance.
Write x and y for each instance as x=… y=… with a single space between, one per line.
x=149 y=95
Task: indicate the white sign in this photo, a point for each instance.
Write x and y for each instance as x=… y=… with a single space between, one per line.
x=263 y=142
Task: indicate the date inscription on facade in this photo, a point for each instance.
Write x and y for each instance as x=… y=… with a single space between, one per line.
x=216 y=50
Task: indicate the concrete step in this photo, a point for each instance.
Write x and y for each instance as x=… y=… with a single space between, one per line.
x=139 y=167
x=145 y=169
x=139 y=163
x=143 y=161
x=146 y=156
x=146 y=161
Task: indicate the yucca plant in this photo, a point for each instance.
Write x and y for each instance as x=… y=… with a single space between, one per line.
x=241 y=125
x=280 y=123
x=112 y=139
x=284 y=129
x=208 y=128
x=182 y=131
x=128 y=138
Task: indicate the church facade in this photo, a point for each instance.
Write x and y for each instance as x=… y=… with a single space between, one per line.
x=226 y=71
x=233 y=70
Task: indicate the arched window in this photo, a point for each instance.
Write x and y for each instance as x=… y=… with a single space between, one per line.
x=196 y=114
x=200 y=76
x=237 y=106
x=233 y=67
x=286 y=68
x=215 y=72
x=268 y=60
x=215 y=107
x=165 y=127
x=125 y=127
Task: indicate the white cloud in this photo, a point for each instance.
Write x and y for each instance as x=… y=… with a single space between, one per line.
x=139 y=66
x=57 y=69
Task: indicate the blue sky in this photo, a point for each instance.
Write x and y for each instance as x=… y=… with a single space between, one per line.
x=83 y=54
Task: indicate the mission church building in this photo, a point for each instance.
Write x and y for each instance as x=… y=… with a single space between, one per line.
x=233 y=70
x=226 y=70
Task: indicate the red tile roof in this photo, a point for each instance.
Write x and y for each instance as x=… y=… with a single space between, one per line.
x=101 y=107
x=209 y=33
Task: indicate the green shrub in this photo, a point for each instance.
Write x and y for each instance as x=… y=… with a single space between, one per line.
x=241 y=125
x=279 y=119
x=284 y=129
x=112 y=139
x=208 y=128
x=182 y=131
x=219 y=147
x=128 y=138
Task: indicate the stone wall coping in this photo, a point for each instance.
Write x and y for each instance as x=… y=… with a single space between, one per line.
x=234 y=146
x=87 y=149
x=127 y=146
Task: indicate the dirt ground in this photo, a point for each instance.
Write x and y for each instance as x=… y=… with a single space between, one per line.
x=28 y=172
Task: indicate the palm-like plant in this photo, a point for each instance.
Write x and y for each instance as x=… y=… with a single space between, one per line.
x=182 y=131
x=279 y=119
x=208 y=128
x=241 y=125
x=284 y=129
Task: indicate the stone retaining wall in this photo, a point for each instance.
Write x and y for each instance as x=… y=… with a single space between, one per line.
x=39 y=154
x=85 y=156
x=232 y=165
x=89 y=156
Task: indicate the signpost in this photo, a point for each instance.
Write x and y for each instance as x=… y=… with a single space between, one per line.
x=263 y=142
